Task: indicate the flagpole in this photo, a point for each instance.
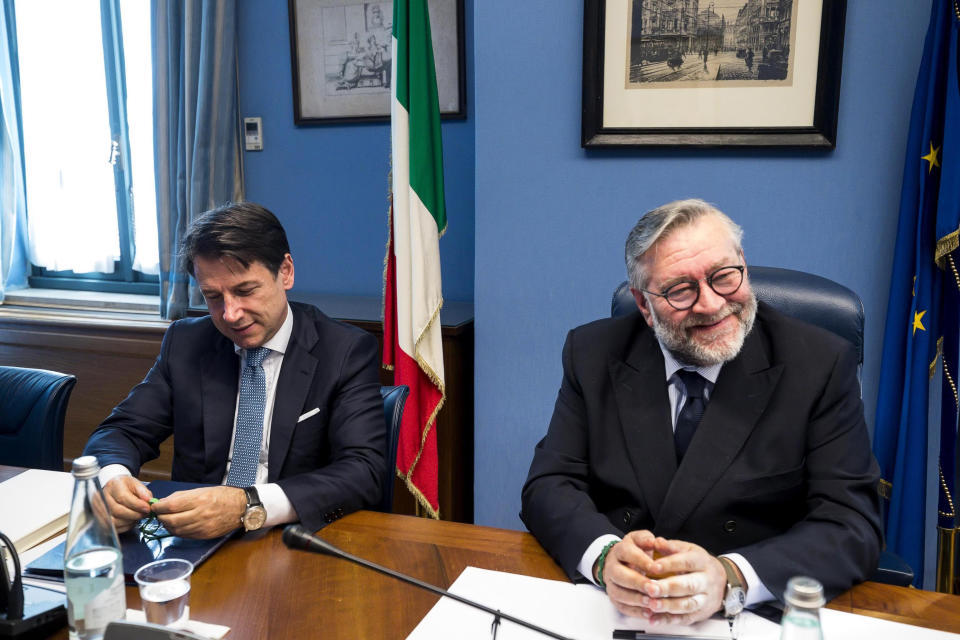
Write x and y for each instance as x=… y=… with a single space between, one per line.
x=947 y=541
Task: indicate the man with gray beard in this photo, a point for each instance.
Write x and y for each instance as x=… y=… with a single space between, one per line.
x=705 y=449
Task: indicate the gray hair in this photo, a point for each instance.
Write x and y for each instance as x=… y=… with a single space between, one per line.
x=662 y=221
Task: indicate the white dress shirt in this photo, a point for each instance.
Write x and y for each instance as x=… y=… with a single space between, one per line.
x=756 y=591
x=275 y=502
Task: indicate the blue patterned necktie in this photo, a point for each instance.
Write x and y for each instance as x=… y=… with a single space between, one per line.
x=692 y=410
x=249 y=431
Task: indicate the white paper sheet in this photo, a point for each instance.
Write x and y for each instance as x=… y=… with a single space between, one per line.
x=34 y=505
x=839 y=624
x=203 y=629
x=584 y=612
x=576 y=611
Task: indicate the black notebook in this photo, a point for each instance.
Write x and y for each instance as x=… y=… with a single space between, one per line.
x=137 y=551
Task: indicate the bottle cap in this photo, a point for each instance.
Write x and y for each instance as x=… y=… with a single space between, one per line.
x=85 y=467
x=806 y=592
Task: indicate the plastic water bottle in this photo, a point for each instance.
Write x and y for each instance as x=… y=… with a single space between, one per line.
x=93 y=563
x=801 y=616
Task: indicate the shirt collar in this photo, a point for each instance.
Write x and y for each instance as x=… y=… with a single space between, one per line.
x=280 y=339
x=672 y=365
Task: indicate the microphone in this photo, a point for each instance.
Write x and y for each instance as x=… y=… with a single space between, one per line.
x=296 y=537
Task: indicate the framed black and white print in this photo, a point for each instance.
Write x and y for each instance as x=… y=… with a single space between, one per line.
x=341 y=53
x=717 y=73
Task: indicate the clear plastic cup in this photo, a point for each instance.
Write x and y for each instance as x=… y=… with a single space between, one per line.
x=165 y=590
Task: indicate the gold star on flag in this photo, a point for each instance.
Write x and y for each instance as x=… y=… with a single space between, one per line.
x=917 y=324
x=932 y=158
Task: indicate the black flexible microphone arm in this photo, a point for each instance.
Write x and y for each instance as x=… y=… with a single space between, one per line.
x=296 y=537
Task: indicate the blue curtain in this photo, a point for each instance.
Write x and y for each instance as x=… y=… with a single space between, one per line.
x=196 y=128
x=13 y=209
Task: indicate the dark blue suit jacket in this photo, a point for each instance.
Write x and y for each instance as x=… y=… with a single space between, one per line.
x=779 y=469
x=328 y=465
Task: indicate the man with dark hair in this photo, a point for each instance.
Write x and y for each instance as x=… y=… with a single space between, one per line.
x=705 y=449
x=271 y=400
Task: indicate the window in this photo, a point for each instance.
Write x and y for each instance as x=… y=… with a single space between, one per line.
x=87 y=101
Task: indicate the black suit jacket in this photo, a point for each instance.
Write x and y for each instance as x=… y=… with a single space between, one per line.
x=779 y=470
x=327 y=465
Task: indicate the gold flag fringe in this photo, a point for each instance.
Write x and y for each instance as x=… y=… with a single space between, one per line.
x=431 y=421
x=885 y=489
x=386 y=254
x=936 y=357
x=386 y=261
x=946 y=492
x=945 y=246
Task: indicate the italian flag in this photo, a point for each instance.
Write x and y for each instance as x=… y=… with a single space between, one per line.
x=412 y=295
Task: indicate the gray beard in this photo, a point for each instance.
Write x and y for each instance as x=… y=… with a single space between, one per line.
x=688 y=351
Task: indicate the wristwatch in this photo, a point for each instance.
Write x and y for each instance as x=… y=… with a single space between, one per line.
x=734 y=596
x=255 y=515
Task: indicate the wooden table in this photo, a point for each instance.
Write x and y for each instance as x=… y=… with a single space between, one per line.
x=260 y=589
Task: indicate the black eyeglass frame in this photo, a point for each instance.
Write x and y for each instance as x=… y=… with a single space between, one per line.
x=709 y=280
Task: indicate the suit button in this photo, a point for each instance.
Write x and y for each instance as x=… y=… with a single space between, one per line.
x=730 y=526
x=626 y=518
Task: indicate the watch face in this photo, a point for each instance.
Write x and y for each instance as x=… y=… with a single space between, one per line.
x=734 y=601
x=254 y=517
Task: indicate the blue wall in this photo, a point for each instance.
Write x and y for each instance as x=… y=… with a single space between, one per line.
x=551 y=218
x=328 y=184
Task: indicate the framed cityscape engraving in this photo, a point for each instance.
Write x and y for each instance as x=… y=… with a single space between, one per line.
x=717 y=73
x=341 y=54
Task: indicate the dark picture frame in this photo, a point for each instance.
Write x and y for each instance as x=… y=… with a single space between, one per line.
x=618 y=60
x=340 y=59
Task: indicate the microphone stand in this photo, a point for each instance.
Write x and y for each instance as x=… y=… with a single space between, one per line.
x=296 y=537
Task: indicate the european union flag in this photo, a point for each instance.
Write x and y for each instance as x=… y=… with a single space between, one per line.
x=922 y=317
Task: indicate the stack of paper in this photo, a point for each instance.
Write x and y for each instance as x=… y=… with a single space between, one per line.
x=34 y=506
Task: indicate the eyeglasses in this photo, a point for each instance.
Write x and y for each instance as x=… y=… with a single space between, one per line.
x=683 y=295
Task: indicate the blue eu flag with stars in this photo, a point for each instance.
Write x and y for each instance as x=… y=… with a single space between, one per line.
x=921 y=334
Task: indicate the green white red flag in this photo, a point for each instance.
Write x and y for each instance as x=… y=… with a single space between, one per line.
x=412 y=293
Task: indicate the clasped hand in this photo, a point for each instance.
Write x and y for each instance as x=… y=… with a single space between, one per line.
x=664 y=581
x=207 y=512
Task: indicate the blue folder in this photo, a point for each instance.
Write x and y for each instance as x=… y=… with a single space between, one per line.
x=136 y=551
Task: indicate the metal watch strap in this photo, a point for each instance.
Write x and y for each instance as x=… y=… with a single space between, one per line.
x=735 y=591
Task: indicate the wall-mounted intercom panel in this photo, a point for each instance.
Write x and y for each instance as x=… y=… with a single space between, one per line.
x=253 y=133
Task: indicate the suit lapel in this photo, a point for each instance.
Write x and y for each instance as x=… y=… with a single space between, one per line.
x=219 y=380
x=739 y=398
x=641 y=395
x=293 y=385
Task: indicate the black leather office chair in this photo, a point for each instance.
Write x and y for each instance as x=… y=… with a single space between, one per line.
x=33 y=403
x=818 y=301
x=393 y=401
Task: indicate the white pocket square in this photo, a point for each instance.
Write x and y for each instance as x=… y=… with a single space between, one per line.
x=309 y=414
